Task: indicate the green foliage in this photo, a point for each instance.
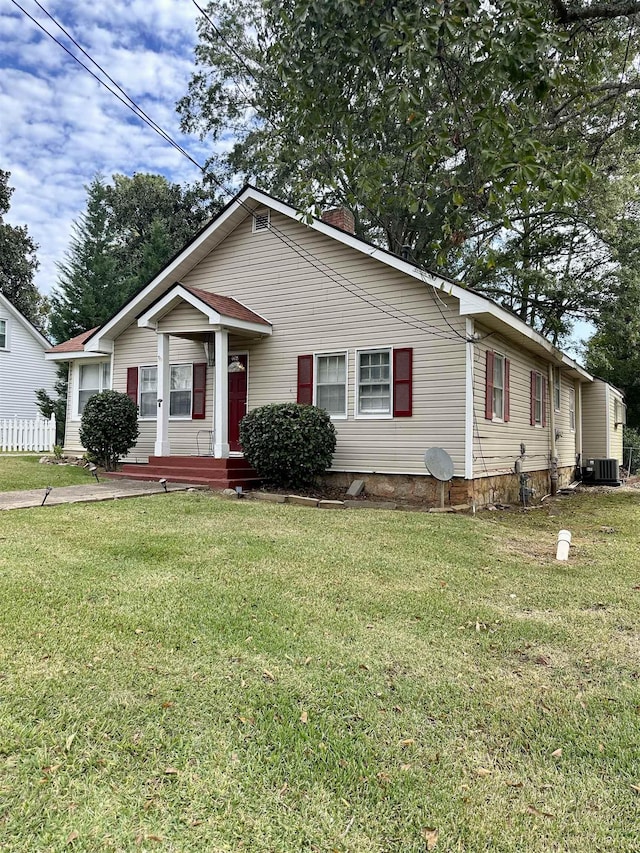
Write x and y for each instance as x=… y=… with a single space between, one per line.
x=289 y=445
x=18 y=263
x=467 y=131
x=129 y=230
x=613 y=353
x=57 y=451
x=48 y=405
x=109 y=427
x=631 y=449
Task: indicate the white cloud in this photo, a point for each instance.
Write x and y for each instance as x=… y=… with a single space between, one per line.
x=60 y=127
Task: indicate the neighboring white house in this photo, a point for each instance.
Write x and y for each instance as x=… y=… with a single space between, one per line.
x=261 y=307
x=23 y=368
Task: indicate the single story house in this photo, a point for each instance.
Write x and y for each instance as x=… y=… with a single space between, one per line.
x=23 y=368
x=263 y=306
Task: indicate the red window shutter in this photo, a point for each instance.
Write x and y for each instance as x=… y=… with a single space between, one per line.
x=132 y=384
x=305 y=379
x=532 y=396
x=488 y=389
x=403 y=383
x=544 y=401
x=199 y=395
x=507 y=390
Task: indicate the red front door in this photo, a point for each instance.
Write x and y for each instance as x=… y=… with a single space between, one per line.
x=237 y=400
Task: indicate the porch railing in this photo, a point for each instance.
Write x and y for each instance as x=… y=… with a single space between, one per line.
x=22 y=434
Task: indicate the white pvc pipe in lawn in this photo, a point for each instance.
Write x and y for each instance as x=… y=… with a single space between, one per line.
x=564 y=541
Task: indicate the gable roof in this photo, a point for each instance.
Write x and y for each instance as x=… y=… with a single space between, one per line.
x=247 y=201
x=224 y=306
x=11 y=309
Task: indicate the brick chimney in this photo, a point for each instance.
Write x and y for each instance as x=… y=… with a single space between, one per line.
x=341 y=218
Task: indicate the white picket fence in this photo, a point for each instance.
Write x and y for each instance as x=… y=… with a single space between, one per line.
x=19 y=434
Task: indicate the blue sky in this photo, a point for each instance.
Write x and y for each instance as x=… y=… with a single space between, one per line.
x=59 y=127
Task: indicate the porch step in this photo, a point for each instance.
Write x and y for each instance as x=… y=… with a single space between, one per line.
x=194 y=470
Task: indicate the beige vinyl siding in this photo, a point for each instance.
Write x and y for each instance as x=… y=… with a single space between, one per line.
x=72 y=443
x=594 y=421
x=615 y=432
x=313 y=312
x=566 y=447
x=184 y=318
x=496 y=445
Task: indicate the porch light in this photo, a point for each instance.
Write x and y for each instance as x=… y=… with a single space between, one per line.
x=209 y=351
x=235 y=365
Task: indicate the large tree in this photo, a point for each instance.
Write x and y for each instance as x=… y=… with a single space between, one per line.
x=128 y=231
x=18 y=263
x=465 y=130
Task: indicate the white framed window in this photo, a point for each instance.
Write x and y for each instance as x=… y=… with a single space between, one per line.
x=572 y=408
x=92 y=379
x=538 y=404
x=180 y=391
x=498 y=386
x=148 y=394
x=180 y=388
x=556 y=388
x=4 y=334
x=331 y=383
x=373 y=383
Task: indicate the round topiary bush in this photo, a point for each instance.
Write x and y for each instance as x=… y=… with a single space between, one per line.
x=109 y=427
x=289 y=445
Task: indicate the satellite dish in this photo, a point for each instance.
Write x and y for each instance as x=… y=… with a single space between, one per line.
x=438 y=463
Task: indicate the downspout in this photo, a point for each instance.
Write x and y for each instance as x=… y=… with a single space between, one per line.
x=607 y=421
x=579 y=424
x=553 y=456
x=468 y=424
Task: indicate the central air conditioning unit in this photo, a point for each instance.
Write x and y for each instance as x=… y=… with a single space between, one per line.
x=601 y=472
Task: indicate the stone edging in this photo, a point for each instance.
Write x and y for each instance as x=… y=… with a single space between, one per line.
x=318 y=503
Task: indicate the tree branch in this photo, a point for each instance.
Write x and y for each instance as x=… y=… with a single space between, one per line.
x=596 y=11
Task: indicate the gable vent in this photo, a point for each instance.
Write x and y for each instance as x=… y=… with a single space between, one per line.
x=261 y=220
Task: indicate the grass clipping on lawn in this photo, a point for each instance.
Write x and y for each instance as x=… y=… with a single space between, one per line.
x=187 y=674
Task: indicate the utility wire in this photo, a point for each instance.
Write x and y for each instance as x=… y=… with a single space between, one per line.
x=137 y=108
x=290 y=242
x=129 y=106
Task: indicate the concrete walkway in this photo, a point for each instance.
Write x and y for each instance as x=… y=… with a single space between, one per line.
x=105 y=490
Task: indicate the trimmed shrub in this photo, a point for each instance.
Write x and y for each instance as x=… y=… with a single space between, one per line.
x=289 y=445
x=109 y=427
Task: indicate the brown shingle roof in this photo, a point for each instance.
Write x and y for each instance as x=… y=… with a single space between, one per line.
x=226 y=306
x=74 y=344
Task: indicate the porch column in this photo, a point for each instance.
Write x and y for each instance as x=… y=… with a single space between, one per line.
x=221 y=404
x=162 y=447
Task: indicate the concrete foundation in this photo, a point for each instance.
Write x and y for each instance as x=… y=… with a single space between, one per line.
x=500 y=488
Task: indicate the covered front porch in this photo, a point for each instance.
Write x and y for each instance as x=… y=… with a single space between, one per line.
x=208 y=320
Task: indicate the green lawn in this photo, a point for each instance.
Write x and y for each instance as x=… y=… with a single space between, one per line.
x=26 y=472
x=182 y=673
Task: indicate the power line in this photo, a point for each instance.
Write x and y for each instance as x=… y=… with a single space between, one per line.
x=129 y=106
x=322 y=267
x=137 y=108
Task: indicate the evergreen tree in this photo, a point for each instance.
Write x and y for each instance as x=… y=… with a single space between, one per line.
x=128 y=231
x=89 y=286
x=18 y=263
